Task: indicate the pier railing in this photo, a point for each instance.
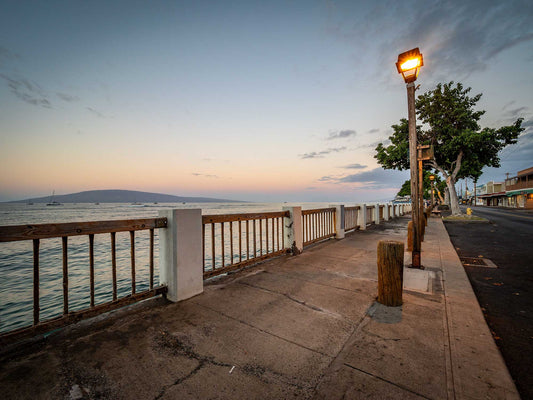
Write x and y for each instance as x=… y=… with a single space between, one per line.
x=370 y=214
x=351 y=218
x=318 y=224
x=232 y=241
x=191 y=248
x=37 y=233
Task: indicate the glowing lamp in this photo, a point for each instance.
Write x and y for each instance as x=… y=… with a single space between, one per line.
x=432 y=178
x=409 y=64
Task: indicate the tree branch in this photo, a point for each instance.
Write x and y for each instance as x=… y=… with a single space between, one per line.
x=457 y=165
x=434 y=164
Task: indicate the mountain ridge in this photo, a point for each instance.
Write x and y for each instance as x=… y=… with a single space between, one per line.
x=122 y=196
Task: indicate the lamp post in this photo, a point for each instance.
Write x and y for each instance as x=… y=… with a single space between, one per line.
x=408 y=65
x=432 y=179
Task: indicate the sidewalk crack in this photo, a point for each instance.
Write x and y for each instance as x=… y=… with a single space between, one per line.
x=264 y=331
x=387 y=381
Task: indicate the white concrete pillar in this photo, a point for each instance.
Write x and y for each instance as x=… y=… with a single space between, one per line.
x=180 y=253
x=339 y=221
x=293 y=238
x=361 y=218
x=376 y=214
x=386 y=210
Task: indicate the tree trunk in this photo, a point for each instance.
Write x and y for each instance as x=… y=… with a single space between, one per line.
x=446 y=196
x=454 y=201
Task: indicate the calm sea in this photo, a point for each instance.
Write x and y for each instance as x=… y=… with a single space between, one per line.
x=16 y=258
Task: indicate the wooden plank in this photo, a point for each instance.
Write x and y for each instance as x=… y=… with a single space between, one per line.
x=319 y=239
x=317 y=210
x=114 y=264
x=12 y=233
x=91 y=267
x=213 y=266
x=152 y=258
x=204 y=242
x=219 y=271
x=247 y=239
x=132 y=260
x=231 y=239
x=36 y=308
x=65 y=274
x=240 y=241
x=208 y=219
x=222 y=239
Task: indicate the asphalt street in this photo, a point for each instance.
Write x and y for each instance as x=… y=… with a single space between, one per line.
x=505 y=293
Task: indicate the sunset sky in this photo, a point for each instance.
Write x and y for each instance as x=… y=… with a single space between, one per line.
x=249 y=100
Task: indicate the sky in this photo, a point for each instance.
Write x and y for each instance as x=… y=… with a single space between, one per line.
x=245 y=100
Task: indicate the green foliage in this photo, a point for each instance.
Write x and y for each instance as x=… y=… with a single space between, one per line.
x=453 y=128
x=438 y=183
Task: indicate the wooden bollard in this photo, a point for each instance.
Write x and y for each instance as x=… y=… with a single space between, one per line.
x=410 y=236
x=390 y=272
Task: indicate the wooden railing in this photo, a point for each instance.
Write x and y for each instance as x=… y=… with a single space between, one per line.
x=520 y=185
x=232 y=241
x=318 y=224
x=36 y=233
x=351 y=218
x=370 y=213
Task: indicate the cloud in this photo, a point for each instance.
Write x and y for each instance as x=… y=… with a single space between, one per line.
x=205 y=175
x=374 y=130
x=462 y=37
x=27 y=91
x=341 y=134
x=377 y=178
x=516 y=112
x=6 y=55
x=373 y=145
x=67 y=97
x=321 y=154
x=354 y=166
x=97 y=113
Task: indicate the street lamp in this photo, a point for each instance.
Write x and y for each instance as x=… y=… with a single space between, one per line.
x=432 y=179
x=408 y=65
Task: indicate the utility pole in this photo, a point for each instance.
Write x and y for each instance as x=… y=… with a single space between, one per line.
x=416 y=261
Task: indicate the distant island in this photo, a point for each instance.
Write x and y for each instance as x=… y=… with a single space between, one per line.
x=122 y=196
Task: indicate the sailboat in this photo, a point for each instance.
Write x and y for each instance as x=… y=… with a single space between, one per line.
x=52 y=202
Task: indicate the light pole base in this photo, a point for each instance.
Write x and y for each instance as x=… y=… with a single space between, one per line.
x=416 y=262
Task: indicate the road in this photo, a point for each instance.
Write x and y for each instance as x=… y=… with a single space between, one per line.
x=505 y=293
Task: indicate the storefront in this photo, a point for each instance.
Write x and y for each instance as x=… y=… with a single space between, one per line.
x=520 y=198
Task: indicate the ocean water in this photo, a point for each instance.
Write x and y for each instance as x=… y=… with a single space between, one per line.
x=16 y=258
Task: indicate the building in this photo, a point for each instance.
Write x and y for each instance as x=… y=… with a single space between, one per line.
x=493 y=194
x=519 y=189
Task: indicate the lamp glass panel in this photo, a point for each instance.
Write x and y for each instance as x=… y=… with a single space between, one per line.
x=410 y=64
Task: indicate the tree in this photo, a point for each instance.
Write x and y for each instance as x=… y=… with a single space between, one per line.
x=461 y=147
x=406 y=187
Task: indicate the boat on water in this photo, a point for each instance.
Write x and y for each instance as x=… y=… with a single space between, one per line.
x=52 y=202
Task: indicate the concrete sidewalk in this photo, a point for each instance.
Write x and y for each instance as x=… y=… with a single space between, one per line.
x=295 y=327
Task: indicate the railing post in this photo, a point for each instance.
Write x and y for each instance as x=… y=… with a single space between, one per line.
x=376 y=214
x=339 y=221
x=386 y=210
x=180 y=253
x=293 y=238
x=362 y=217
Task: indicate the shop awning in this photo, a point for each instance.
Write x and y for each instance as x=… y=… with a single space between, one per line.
x=519 y=191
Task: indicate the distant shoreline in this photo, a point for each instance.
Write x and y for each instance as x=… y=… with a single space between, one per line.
x=122 y=196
